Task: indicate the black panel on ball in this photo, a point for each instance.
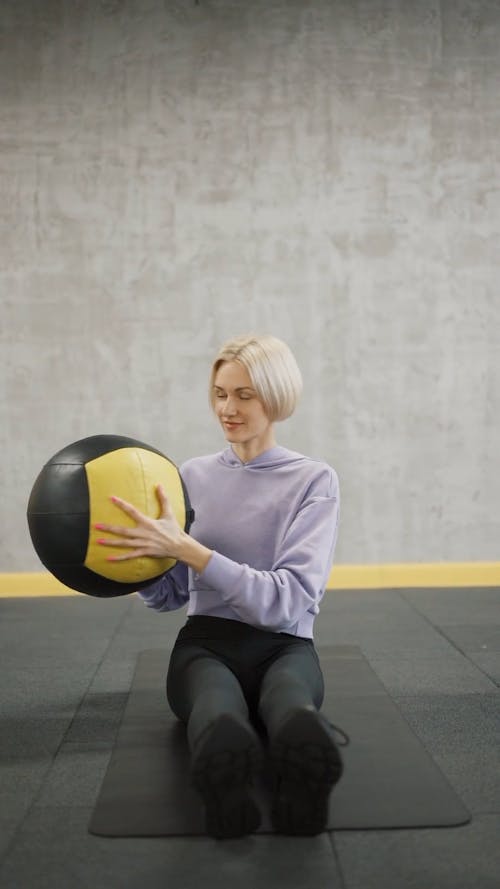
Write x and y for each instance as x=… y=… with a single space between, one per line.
x=87 y=449
x=82 y=579
x=58 y=513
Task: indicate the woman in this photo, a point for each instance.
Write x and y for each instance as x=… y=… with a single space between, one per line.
x=244 y=672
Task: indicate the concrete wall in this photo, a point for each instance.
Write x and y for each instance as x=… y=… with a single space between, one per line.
x=172 y=173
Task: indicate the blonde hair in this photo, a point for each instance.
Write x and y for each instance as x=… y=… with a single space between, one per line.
x=272 y=368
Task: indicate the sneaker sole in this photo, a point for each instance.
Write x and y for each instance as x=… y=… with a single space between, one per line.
x=223 y=771
x=306 y=765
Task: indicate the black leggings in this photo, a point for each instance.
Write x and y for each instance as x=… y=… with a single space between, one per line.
x=225 y=666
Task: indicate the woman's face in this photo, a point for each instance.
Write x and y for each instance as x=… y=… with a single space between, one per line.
x=240 y=411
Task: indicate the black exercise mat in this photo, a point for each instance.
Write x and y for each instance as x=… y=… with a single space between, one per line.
x=389 y=781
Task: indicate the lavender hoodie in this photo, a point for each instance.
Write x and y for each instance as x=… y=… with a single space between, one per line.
x=272 y=525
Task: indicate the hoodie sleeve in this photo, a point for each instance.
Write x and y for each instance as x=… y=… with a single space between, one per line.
x=278 y=598
x=169 y=592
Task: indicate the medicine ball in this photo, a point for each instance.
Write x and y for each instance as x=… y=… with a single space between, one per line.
x=72 y=493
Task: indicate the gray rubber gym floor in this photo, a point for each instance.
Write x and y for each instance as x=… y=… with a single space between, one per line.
x=67 y=665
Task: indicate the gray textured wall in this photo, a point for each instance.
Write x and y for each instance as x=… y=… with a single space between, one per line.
x=174 y=173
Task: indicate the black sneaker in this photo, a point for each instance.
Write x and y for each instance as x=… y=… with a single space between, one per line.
x=224 y=763
x=306 y=764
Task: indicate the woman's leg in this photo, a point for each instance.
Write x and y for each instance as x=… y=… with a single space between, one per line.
x=293 y=681
x=200 y=688
x=304 y=757
x=225 y=750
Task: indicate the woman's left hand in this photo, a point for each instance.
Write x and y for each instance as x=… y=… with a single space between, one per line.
x=157 y=538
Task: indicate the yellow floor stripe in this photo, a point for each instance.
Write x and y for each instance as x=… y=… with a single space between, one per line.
x=418 y=574
x=342 y=577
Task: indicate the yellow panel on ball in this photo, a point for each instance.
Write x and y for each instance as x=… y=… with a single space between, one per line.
x=132 y=474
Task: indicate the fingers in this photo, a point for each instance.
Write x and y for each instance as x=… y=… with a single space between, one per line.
x=163 y=501
x=116 y=529
x=118 y=542
x=135 y=554
x=119 y=530
x=123 y=537
x=146 y=538
x=128 y=508
x=139 y=516
x=129 y=543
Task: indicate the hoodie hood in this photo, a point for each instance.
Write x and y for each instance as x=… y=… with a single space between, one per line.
x=269 y=459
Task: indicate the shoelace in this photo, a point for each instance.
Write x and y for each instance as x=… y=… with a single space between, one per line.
x=344 y=738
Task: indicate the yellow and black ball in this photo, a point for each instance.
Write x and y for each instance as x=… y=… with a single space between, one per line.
x=72 y=493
